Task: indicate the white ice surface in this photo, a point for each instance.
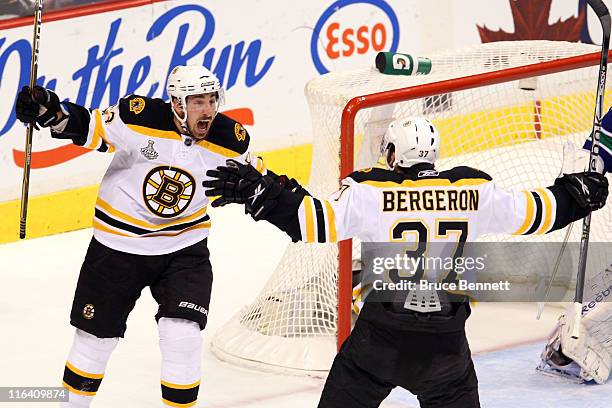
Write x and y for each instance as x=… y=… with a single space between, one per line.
x=37 y=281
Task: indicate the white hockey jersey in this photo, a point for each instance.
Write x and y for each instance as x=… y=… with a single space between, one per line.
x=379 y=205
x=151 y=199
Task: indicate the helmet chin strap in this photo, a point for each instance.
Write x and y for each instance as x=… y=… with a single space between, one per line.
x=182 y=121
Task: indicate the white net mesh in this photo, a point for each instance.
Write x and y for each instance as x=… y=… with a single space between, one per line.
x=514 y=131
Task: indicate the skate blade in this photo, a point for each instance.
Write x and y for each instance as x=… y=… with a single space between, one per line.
x=556 y=373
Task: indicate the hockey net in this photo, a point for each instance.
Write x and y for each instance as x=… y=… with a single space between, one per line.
x=511 y=123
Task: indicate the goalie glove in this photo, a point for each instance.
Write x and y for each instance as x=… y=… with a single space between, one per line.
x=243 y=184
x=589 y=189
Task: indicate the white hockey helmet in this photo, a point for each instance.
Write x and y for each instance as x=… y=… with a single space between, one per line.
x=415 y=140
x=185 y=80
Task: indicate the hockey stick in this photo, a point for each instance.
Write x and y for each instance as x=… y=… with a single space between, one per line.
x=25 y=184
x=542 y=304
x=603 y=14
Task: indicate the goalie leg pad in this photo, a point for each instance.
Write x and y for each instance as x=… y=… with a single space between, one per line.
x=85 y=367
x=591 y=351
x=180 y=342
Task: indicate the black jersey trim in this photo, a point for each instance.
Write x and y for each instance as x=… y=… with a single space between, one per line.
x=113 y=222
x=179 y=396
x=320 y=217
x=537 y=220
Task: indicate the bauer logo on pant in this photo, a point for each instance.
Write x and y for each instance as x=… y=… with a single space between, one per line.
x=88 y=311
x=167 y=192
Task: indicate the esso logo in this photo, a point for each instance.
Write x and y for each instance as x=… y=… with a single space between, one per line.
x=353 y=33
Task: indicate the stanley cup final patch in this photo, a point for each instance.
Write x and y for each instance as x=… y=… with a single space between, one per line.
x=148 y=151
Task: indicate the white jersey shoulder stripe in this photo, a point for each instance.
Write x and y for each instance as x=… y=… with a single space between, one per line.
x=529 y=214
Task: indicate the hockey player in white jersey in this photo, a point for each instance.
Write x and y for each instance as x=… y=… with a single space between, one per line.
x=396 y=344
x=150 y=223
x=588 y=358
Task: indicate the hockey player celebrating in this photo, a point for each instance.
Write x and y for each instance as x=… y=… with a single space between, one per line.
x=588 y=358
x=415 y=346
x=150 y=223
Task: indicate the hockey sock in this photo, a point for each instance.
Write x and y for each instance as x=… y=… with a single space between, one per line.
x=85 y=367
x=180 y=342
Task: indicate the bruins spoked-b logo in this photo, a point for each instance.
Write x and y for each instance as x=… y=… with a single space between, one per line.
x=167 y=192
x=88 y=311
x=137 y=105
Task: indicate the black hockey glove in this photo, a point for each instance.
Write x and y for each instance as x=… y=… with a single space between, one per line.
x=292 y=185
x=242 y=184
x=230 y=182
x=262 y=197
x=28 y=106
x=588 y=189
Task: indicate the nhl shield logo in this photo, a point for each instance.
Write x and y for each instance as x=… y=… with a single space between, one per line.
x=148 y=151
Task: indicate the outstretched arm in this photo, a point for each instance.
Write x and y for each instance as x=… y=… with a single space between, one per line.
x=96 y=130
x=269 y=197
x=542 y=210
x=284 y=203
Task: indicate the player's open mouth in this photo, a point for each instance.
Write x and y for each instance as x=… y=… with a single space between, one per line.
x=202 y=125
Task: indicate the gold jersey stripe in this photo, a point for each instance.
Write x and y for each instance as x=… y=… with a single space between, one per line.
x=529 y=217
x=426 y=183
x=261 y=167
x=223 y=151
x=331 y=222
x=104 y=228
x=162 y=134
x=98 y=131
x=173 y=234
x=79 y=392
x=308 y=212
x=180 y=386
x=111 y=147
x=141 y=223
x=176 y=404
x=101 y=227
x=547 y=212
x=84 y=373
